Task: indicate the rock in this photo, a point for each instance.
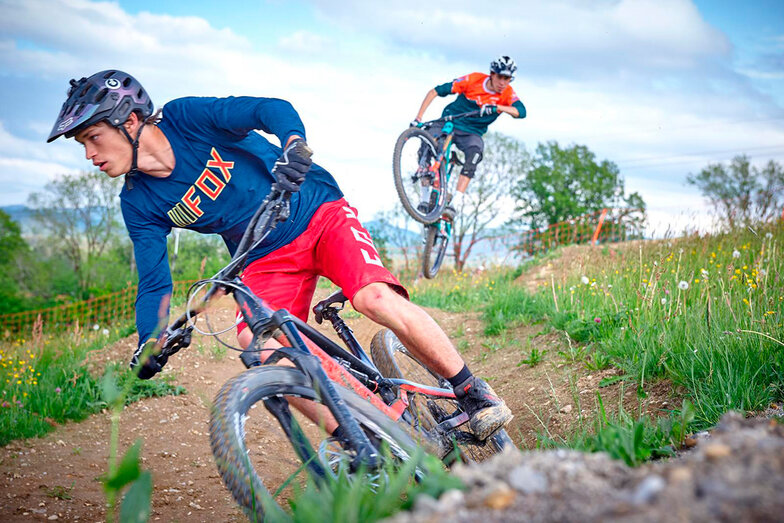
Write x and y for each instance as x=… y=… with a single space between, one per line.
x=717 y=451
x=681 y=475
x=499 y=496
x=527 y=480
x=566 y=409
x=648 y=490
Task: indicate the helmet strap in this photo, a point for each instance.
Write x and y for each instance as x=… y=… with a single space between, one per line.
x=135 y=149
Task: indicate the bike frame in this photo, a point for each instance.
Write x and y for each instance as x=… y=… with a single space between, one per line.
x=321 y=359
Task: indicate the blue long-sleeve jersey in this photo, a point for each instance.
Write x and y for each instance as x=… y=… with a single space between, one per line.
x=221 y=175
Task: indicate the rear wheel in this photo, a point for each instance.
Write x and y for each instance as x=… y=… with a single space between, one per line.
x=413 y=167
x=433 y=255
x=395 y=361
x=249 y=443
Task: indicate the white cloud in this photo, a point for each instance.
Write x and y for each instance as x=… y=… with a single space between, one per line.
x=20 y=177
x=561 y=38
x=627 y=78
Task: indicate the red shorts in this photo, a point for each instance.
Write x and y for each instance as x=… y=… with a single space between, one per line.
x=335 y=245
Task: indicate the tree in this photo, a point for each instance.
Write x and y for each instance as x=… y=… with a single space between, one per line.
x=13 y=249
x=395 y=240
x=565 y=183
x=505 y=162
x=740 y=193
x=80 y=214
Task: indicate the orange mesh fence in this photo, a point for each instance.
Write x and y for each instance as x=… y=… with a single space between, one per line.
x=102 y=310
x=605 y=226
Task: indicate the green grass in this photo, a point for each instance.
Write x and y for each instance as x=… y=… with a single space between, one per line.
x=705 y=313
x=633 y=440
x=349 y=498
x=45 y=382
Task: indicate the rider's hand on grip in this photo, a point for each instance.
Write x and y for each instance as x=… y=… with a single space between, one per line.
x=488 y=109
x=292 y=166
x=148 y=362
x=415 y=123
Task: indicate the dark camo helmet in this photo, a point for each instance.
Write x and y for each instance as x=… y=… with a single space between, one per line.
x=109 y=95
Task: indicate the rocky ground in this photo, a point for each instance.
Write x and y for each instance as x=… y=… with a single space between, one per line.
x=736 y=474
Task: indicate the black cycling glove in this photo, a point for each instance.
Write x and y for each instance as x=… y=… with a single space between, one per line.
x=292 y=166
x=153 y=363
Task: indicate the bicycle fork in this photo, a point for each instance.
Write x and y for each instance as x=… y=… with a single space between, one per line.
x=298 y=353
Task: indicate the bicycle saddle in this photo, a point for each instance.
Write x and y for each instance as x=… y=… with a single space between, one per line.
x=335 y=297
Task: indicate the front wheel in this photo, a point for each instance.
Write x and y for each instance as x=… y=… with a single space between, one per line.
x=420 y=183
x=436 y=241
x=250 y=445
x=395 y=361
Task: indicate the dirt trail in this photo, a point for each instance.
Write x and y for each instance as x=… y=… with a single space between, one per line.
x=54 y=477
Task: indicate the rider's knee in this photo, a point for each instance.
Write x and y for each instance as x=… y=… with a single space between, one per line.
x=376 y=299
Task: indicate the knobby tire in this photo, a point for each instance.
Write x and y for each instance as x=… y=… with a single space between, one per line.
x=434 y=251
x=394 y=361
x=403 y=177
x=228 y=439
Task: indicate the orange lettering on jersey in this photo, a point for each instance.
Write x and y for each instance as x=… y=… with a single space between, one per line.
x=192 y=202
x=207 y=175
x=218 y=163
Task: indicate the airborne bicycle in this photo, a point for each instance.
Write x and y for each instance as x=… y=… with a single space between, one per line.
x=386 y=400
x=422 y=167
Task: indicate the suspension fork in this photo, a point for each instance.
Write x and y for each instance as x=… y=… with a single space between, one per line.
x=262 y=325
x=311 y=366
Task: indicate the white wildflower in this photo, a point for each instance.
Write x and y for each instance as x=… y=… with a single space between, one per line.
x=664 y=301
x=96 y=327
x=769 y=235
x=683 y=285
x=704 y=274
x=585 y=280
x=736 y=253
x=105 y=332
x=593 y=284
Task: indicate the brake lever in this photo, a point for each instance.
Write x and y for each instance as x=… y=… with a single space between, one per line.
x=176 y=339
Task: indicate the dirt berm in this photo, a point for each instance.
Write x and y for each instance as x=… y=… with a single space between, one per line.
x=737 y=474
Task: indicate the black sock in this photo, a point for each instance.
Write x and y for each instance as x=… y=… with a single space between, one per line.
x=339 y=434
x=460 y=377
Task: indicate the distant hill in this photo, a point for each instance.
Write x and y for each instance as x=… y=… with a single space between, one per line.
x=22 y=215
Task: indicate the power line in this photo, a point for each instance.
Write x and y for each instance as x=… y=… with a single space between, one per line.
x=651 y=161
x=663 y=129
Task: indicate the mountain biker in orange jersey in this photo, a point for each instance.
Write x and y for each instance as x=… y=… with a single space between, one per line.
x=202 y=166
x=491 y=95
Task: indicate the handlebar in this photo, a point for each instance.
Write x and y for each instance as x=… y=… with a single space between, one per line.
x=273 y=210
x=450 y=118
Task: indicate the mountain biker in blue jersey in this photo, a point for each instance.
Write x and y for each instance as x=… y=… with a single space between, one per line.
x=491 y=95
x=201 y=165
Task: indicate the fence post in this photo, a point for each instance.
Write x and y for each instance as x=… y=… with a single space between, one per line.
x=598 y=227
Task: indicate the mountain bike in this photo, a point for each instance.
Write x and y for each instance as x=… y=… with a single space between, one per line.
x=422 y=167
x=387 y=404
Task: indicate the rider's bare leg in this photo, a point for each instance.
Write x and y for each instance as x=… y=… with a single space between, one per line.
x=462 y=183
x=412 y=325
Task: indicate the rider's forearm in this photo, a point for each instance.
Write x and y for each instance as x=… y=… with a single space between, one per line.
x=429 y=97
x=508 y=109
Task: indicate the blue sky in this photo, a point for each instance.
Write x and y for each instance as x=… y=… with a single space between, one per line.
x=661 y=87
